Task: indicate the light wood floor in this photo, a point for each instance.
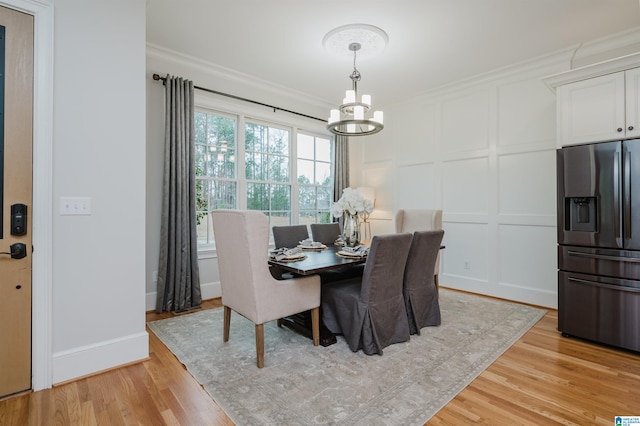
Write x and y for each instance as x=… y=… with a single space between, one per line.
x=542 y=379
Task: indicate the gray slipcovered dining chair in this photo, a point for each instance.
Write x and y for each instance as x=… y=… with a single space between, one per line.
x=412 y=220
x=370 y=311
x=242 y=241
x=420 y=292
x=325 y=233
x=289 y=236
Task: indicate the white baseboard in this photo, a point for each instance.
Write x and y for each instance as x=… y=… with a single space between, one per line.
x=85 y=360
x=209 y=291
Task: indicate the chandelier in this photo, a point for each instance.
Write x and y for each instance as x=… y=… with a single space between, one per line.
x=352 y=118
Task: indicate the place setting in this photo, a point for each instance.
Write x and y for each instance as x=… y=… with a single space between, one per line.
x=284 y=254
x=357 y=252
x=309 y=244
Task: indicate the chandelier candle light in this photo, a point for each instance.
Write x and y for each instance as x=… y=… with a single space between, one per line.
x=351 y=117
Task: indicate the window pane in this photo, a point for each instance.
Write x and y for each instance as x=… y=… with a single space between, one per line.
x=324 y=197
x=323 y=150
x=280 y=198
x=324 y=217
x=305 y=146
x=278 y=168
x=279 y=219
x=255 y=137
x=305 y=171
x=204 y=230
x=257 y=196
x=202 y=197
x=255 y=166
x=200 y=152
x=307 y=218
x=278 y=141
x=307 y=197
x=223 y=195
x=323 y=173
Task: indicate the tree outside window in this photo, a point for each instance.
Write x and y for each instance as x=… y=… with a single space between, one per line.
x=315 y=180
x=267 y=165
x=288 y=189
x=215 y=163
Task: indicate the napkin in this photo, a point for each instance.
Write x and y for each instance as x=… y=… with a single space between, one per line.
x=359 y=250
x=285 y=253
x=310 y=243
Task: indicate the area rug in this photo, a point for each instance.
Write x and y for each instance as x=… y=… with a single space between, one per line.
x=302 y=384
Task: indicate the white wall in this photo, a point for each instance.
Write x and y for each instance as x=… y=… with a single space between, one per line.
x=483 y=151
x=98 y=306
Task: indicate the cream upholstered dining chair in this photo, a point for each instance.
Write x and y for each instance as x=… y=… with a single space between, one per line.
x=370 y=310
x=412 y=220
x=242 y=241
x=420 y=292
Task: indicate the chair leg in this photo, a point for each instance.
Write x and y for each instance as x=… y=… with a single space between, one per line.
x=260 y=344
x=227 y=324
x=435 y=279
x=279 y=322
x=315 y=325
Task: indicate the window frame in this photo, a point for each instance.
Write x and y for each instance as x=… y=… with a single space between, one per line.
x=244 y=112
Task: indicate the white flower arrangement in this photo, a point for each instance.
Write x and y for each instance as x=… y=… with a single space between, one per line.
x=352 y=202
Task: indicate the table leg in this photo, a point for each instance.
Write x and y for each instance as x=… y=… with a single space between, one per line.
x=301 y=324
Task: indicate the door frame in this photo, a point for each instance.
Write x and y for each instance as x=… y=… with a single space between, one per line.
x=42 y=216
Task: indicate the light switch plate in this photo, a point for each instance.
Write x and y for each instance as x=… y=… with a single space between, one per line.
x=75 y=206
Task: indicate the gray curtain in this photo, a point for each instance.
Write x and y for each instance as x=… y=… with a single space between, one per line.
x=341 y=167
x=178 y=273
x=340 y=170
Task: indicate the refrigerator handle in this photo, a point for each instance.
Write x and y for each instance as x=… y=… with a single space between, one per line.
x=604 y=285
x=627 y=195
x=616 y=197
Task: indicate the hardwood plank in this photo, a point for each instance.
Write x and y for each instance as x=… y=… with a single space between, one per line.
x=543 y=378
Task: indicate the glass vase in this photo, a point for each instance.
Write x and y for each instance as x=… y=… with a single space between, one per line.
x=351 y=230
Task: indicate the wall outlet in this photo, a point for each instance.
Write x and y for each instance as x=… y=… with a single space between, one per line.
x=155 y=276
x=467 y=264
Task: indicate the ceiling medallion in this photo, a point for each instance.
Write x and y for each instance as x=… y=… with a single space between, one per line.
x=351 y=119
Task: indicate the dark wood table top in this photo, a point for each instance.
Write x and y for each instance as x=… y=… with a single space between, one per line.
x=318 y=261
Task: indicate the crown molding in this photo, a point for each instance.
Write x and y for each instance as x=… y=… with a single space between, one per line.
x=607 y=44
x=595 y=70
x=219 y=72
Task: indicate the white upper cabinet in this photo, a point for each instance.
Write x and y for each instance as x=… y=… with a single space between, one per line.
x=600 y=109
x=632 y=103
x=591 y=110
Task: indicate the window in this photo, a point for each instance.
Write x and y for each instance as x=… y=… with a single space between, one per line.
x=267 y=172
x=315 y=183
x=216 y=174
x=279 y=170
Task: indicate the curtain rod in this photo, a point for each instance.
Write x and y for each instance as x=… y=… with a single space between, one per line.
x=164 y=80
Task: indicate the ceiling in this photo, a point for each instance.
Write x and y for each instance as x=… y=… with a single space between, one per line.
x=431 y=42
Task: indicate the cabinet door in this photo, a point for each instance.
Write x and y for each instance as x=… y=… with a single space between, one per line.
x=632 y=91
x=592 y=110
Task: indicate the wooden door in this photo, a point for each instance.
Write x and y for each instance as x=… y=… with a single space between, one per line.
x=16 y=142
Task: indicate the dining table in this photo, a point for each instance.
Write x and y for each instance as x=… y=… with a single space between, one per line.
x=316 y=261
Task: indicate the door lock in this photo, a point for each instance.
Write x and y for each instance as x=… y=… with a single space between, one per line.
x=18 y=251
x=18 y=219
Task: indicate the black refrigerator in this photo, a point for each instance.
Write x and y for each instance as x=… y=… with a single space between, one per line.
x=599 y=242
